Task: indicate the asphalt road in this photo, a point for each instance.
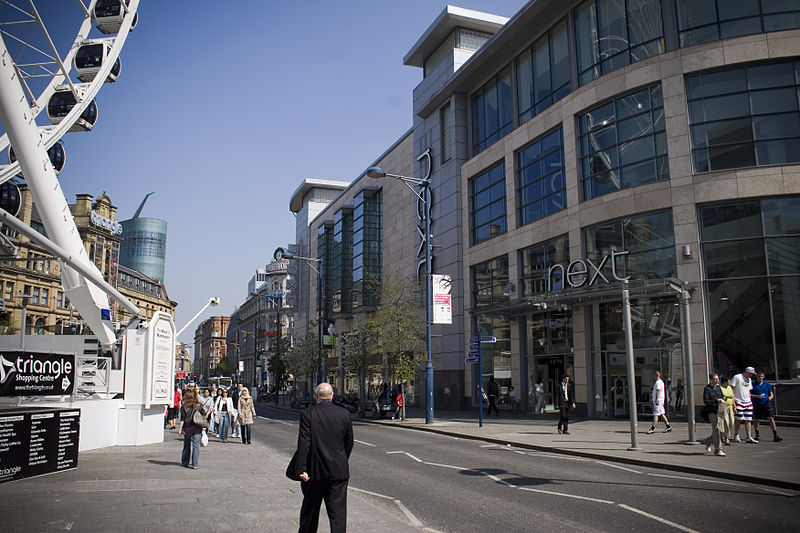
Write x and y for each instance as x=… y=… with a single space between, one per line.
x=447 y=484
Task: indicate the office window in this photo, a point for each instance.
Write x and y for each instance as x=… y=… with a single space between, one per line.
x=536 y=262
x=59 y=300
x=488 y=202
x=610 y=34
x=490 y=282
x=491 y=111
x=367 y=246
x=624 y=144
x=8 y=295
x=543 y=76
x=35 y=296
x=541 y=188
x=745 y=117
x=701 y=21
x=446 y=132
x=45 y=296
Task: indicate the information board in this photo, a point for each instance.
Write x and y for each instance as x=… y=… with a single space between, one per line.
x=161 y=354
x=35 y=441
x=26 y=373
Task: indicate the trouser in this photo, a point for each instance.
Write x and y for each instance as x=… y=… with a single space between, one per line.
x=537 y=409
x=492 y=404
x=334 y=493
x=245 y=433
x=234 y=426
x=727 y=421
x=714 y=440
x=563 y=411
x=191 y=448
x=211 y=424
x=224 y=422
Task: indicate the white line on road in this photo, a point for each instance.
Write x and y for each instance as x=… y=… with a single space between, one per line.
x=612 y=465
x=411 y=518
x=776 y=491
x=372 y=493
x=409 y=514
x=276 y=421
x=440 y=465
x=574 y=496
x=687 y=478
x=658 y=518
x=364 y=443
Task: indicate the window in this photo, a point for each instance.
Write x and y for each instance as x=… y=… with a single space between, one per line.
x=490 y=282
x=610 y=34
x=446 y=133
x=541 y=188
x=649 y=240
x=8 y=295
x=536 y=262
x=491 y=111
x=45 y=296
x=701 y=21
x=59 y=300
x=751 y=256
x=342 y=258
x=745 y=117
x=488 y=195
x=543 y=75
x=624 y=144
x=35 y=296
x=367 y=246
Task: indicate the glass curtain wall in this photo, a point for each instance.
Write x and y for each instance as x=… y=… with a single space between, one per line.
x=496 y=356
x=751 y=258
x=367 y=246
x=543 y=75
x=541 y=187
x=492 y=111
x=488 y=204
x=701 y=21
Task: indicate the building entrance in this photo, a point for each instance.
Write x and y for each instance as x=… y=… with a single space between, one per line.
x=549 y=369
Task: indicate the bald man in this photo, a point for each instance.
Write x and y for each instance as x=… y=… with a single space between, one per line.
x=323 y=450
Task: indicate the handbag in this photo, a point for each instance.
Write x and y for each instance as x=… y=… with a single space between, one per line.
x=291 y=469
x=199 y=419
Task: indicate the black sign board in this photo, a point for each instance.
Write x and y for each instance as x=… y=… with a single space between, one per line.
x=37 y=441
x=36 y=373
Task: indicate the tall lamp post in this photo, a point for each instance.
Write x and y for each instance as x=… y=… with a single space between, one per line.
x=424 y=196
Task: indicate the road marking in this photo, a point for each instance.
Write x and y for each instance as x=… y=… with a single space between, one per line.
x=409 y=514
x=276 y=421
x=364 y=443
x=612 y=465
x=372 y=493
x=777 y=491
x=657 y=518
x=574 y=496
x=405 y=510
x=687 y=478
x=440 y=465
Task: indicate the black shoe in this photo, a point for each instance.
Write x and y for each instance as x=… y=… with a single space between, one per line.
x=565 y=432
x=559 y=431
x=777 y=438
x=758 y=435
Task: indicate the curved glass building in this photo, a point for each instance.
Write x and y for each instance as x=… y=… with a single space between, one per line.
x=144 y=246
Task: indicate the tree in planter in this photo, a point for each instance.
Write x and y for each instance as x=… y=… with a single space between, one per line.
x=301 y=359
x=360 y=354
x=400 y=330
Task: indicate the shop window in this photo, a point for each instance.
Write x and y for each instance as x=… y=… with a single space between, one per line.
x=537 y=260
x=490 y=282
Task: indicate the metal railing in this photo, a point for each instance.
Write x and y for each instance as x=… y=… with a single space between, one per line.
x=92 y=375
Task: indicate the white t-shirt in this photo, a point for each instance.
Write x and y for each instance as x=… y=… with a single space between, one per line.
x=657 y=394
x=741 y=388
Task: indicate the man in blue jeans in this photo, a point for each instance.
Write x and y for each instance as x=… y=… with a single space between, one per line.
x=762 y=395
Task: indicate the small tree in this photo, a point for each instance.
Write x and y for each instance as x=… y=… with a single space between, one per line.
x=400 y=330
x=301 y=359
x=360 y=352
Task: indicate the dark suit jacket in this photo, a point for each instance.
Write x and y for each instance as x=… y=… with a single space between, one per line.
x=559 y=395
x=325 y=442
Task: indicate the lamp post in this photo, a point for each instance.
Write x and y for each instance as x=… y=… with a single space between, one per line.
x=277 y=297
x=424 y=196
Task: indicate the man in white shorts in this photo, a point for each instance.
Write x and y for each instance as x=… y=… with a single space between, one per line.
x=658 y=395
x=742 y=384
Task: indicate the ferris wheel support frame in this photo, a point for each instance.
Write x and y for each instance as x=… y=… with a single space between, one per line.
x=19 y=121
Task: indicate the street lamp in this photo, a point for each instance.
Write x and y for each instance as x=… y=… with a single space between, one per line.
x=213 y=301
x=424 y=196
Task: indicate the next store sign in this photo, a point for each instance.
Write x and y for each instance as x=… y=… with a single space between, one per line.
x=582 y=272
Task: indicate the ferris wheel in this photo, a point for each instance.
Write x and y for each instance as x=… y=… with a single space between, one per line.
x=49 y=78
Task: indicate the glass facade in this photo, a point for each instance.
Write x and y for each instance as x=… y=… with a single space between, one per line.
x=543 y=75
x=488 y=204
x=610 y=34
x=490 y=282
x=537 y=260
x=325 y=254
x=492 y=111
x=701 y=21
x=624 y=143
x=751 y=258
x=342 y=259
x=744 y=117
x=496 y=356
x=144 y=246
x=541 y=186
x=367 y=246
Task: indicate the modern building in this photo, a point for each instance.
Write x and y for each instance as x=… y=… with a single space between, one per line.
x=210 y=348
x=144 y=244
x=583 y=143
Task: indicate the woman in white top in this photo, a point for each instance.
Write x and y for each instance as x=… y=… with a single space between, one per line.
x=223 y=410
x=659 y=396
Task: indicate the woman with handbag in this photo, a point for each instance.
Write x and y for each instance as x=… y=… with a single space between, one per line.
x=222 y=415
x=192 y=423
x=247 y=413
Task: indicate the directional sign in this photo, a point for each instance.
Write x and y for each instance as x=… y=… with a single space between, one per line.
x=2 y=304
x=473 y=340
x=471 y=360
x=488 y=339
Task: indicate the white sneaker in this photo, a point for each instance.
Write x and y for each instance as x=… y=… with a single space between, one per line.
x=651 y=431
x=708 y=449
x=737 y=439
x=751 y=440
x=719 y=453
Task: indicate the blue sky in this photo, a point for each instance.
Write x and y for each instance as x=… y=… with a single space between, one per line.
x=223 y=111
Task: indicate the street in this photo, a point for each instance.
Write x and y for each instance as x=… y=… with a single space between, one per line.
x=448 y=484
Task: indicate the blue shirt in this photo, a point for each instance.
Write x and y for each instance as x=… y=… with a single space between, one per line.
x=764 y=388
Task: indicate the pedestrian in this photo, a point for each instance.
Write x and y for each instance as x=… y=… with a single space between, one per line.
x=539 y=397
x=763 y=408
x=679 y=395
x=208 y=406
x=324 y=444
x=191 y=432
x=398 y=404
x=714 y=407
x=513 y=397
x=246 y=416
x=658 y=397
x=493 y=389
x=564 y=400
x=742 y=384
x=222 y=414
x=172 y=411
x=235 y=393
x=727 y=419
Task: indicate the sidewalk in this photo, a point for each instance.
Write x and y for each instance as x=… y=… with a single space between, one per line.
x=770 y=463
x=145 y=489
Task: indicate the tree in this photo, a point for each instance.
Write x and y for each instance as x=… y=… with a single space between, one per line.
x=301 y=359
x=400 y=330
x=360 y=351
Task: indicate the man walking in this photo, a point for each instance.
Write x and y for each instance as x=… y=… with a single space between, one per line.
x=235 y=393
x=494 y=391
x=762 y=395
x=742 y=384
x=714 y=407
x=564 y=400
x=658 y=396
x=323 y=450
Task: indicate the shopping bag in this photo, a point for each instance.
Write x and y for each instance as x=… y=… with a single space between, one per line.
x=204 y=438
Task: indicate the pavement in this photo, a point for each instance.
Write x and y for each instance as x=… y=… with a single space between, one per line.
x=145 y=489
x=770 y=463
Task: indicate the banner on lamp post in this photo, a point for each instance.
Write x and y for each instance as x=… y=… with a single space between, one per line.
x=442 y=303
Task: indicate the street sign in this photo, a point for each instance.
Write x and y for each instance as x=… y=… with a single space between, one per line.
x=471 y=360
x=180 y=374
x=488 y=339
x=2 y=304
x=473 y=340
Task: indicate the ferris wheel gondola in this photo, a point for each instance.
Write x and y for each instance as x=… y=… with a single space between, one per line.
x=90 y=59
x=56 y=153
x=62 y=102
x=108 y=15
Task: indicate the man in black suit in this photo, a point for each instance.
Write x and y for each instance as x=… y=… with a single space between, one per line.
x=323 y=449
x=564 y=400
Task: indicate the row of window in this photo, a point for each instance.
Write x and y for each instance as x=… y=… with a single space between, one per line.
x=36 y=295
x=608 y=35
